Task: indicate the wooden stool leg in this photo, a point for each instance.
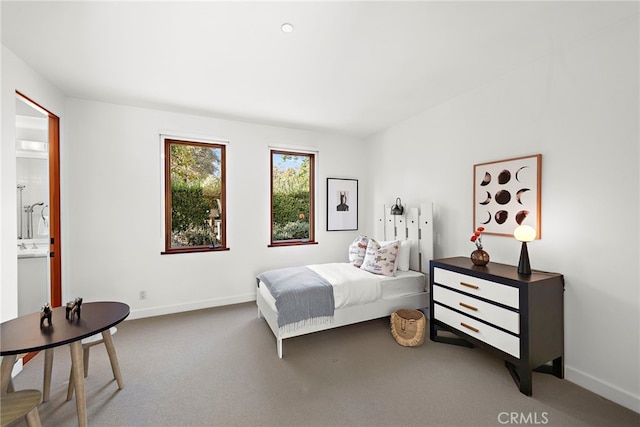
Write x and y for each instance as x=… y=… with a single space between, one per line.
x=85 y=356
x=19 y=405
x=70 y=388
x=48 y=367
x=78 y=382
x=113 y=358
x=5 y=372
x=33 y=418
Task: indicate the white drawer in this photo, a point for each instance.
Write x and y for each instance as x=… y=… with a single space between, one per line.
x=506 y=319
x=481 y=331
x=503 y=294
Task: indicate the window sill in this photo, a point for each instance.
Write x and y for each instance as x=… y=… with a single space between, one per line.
x=291 y=243
x=192 y=250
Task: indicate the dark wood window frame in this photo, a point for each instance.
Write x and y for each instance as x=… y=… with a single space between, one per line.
x=312 y=201
x=167 y=142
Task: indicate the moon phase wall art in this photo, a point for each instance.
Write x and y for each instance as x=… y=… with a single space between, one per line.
x=506 y=193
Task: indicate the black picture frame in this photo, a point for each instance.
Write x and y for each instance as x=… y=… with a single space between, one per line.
x=342 y=204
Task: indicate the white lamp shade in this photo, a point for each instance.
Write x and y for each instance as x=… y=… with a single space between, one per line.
x=524 y=233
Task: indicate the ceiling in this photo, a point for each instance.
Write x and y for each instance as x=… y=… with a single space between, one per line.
x=353 y=67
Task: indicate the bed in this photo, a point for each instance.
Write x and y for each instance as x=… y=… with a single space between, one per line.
x=360 y=295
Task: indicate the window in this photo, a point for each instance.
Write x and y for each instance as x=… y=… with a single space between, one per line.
x=292 y=198
x=194 y=176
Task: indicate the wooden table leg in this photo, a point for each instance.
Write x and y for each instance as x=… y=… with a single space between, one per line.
x=48 y=367
x=77 y=369
x=5 y=372
x=111 y=351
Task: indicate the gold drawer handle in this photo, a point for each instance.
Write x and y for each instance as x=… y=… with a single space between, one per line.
x=468 y=285
x=470 y=307
x=470 y=327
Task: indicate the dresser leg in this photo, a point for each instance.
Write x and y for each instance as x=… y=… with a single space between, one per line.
x=433 y=334
x=556 y=368
x=522 y=379
x=454 y=341
x=526 y=386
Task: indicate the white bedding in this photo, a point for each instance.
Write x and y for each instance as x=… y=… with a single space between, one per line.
x=353 y=286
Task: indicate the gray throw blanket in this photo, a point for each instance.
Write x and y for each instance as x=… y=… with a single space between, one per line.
x=302 y=296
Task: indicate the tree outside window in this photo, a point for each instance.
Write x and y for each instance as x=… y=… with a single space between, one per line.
x=292 y=198
x=194 y=196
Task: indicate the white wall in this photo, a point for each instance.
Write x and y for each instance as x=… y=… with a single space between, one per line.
x=113 y=230
x=578 y=107
x=16 y=75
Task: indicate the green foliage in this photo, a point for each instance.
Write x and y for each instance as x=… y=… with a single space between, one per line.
x=292 y=179
x=192 y=163
x=190 y=215
x=291 y=203
x=201 y=236
x=196 y=187
x=287 y=207
x=188 y=206
x=296 y=230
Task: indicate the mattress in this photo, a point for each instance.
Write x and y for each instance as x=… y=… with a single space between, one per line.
x=402 y=284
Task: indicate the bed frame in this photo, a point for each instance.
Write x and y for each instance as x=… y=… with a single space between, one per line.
x=416 y=225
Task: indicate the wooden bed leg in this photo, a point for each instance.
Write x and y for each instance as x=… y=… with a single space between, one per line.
x=260 y=316
x=279 y=347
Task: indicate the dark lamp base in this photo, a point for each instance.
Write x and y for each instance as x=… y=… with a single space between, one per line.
x=523 y=266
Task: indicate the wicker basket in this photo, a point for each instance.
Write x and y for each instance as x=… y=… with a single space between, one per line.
x=408 y=327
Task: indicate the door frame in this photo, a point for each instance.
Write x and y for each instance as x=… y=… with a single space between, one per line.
x=55 y=252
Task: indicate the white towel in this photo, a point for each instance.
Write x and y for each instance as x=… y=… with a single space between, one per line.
x=43 y=225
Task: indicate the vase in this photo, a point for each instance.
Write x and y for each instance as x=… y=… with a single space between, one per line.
x=479 y=257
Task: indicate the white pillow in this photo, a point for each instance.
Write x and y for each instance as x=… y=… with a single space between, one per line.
x=357 y=250
x=381 y=259
x=404 y=255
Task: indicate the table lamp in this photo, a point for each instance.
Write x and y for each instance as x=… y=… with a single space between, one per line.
x=524 y=233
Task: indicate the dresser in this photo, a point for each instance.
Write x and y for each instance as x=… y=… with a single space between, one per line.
x=519 y=318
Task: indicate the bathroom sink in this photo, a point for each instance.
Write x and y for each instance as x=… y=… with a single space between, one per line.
x=40 y=250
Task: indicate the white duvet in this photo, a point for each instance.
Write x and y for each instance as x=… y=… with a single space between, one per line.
x=351 y=285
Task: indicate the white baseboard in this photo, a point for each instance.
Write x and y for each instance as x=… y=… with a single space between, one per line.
x=198 y=305
x=602 y=388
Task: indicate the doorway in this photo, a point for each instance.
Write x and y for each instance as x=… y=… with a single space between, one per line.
x=38 y=206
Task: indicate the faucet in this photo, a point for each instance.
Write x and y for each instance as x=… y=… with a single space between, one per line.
x=29 y=210
x=22 y=246
x=21 y=189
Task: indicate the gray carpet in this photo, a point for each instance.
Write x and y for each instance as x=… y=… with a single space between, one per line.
x=219 y=367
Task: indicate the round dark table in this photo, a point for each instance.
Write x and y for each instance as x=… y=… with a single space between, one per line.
x=23 y=334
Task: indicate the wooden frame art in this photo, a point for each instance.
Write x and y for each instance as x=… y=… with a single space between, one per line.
x=507 y=193
x=342 y=204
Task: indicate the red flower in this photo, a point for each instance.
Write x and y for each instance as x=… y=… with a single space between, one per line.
x=476 y=237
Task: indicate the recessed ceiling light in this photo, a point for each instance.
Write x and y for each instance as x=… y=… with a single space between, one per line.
x=287 y=28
